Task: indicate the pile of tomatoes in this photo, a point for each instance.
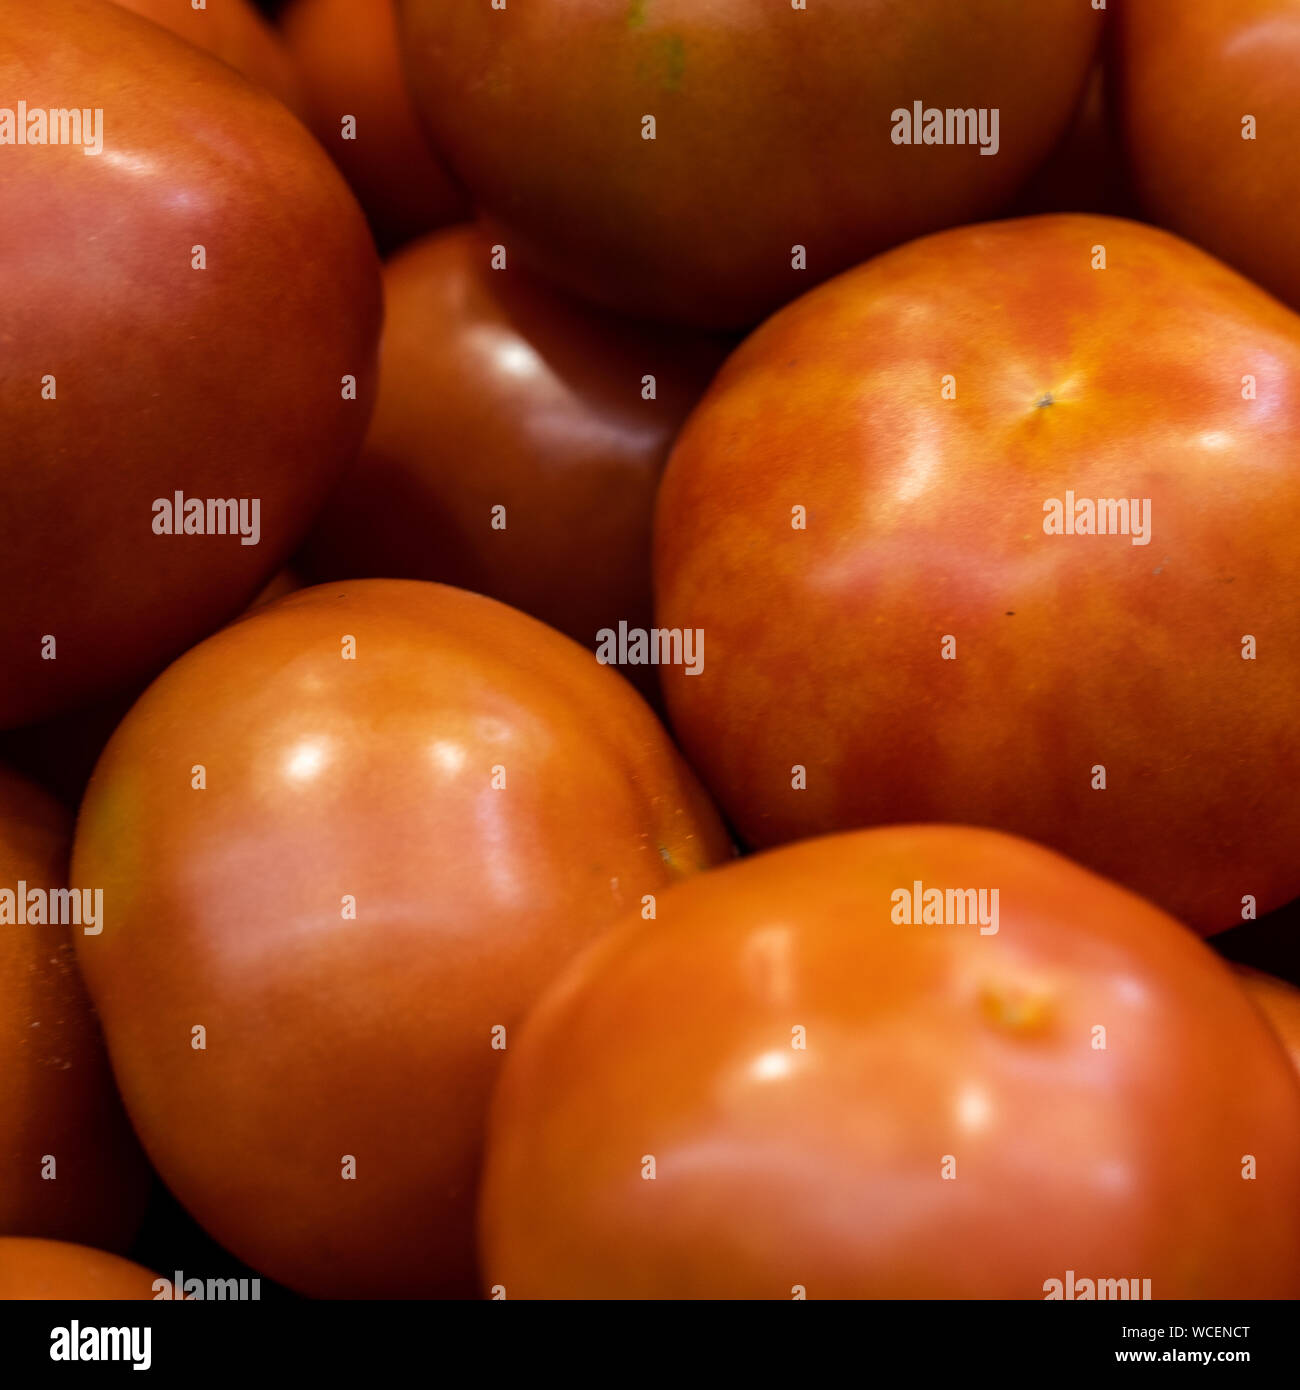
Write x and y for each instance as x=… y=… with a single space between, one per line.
x=696 y=729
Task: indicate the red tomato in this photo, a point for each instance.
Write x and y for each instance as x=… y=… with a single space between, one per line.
x=778 y=1085
x=923 y=649
x=1279 y=1002
x=390 y=858
x=496 y=392
x=1190 y=77
x=129 y=375
x=347 y=53
x=774 y=130
x=69 y=1165
x=235 y=32
x=49 y=1269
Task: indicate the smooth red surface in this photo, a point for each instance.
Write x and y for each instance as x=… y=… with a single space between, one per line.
x=496 y=391
x=49 y=1269
x=225 y=382
x=823 y=647
x=57 y=1098
x=1188 y=75
x=235 y=32
x=773 y=131
x=1279 y=1002
x=821 y=1167
x=371 y=1037
x=347 y=54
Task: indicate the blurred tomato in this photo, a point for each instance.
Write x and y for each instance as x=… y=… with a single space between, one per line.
x=1279 y=1002
x=855 y=517
x=49 y=1269
x=69 y=1165
x=390 y=857
x=127 y=375
x=497 y=393
x=235 y=32
x=778 y=1084
x=346 y=51
x=1190 y=78
x=774 y=130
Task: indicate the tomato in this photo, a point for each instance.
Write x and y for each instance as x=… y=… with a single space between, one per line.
x=347 y=54
x=49 y=1269
x=127 y=376
x=1190 y=77
x=923 y=649
x=235 y=32
x=774 y=130
x=497 y=393
x=69 y=1164
x=389 y=859
x=778 y=1085
x=1279 y=1002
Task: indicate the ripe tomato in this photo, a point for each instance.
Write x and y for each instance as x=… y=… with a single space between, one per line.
x=346 y=51
x=235 y=32
x=1279 y=1002
x=49 y=1269
x=923 y=649
x=128 y=375
x=496 y=392
x=774 y=130
x=1190 y=77
x=69 y=1165
x=778 y=1085
x=389 y=859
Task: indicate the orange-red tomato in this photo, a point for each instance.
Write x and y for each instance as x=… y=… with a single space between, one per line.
x=773 y=138
x=496 y=392
x=235 y=32
x=69 y=1165
x=128 y=374
x=857 y=516
x=50 y=1269
x=1211 y=118
x=1279 y=1002
x=346 y=51
x=782 y=1084
x=388 y=859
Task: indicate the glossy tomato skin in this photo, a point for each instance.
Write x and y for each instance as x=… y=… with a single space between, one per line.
x=1279 y=1002
x=235 y=32
x=821 y=1068
x=70 y=1167
x=331 y=781
x=165 y=377
x=1188 y=77
x=774 y=130
x=52 y=1269
x=825 y=646
x=346 y=51
x=496 y=391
